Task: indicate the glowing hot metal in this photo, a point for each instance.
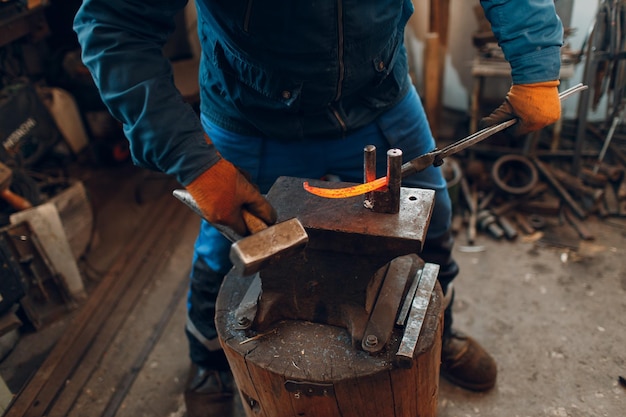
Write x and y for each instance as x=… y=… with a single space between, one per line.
x=348 y=191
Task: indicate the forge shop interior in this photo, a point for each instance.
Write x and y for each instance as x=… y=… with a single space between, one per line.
x=333 y=306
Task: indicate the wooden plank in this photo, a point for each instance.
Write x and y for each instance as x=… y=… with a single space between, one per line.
x=125 y=284
x=152 y=260
x=110 y=283
x=126 y=382
x=436 y=46
x=439 y=17
x=433 y=80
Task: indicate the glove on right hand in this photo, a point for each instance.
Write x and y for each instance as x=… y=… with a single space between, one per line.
x=221 y=193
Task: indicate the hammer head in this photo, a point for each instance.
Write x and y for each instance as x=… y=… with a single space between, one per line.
x=252 y=253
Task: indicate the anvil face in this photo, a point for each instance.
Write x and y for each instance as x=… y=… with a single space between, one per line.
x=345 y=225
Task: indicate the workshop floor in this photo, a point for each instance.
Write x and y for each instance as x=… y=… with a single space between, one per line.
x=554 y=319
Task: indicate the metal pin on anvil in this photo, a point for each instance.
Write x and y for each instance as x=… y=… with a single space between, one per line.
x=388 y=199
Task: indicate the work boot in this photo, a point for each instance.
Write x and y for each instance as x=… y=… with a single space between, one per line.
x=209 y=393
x=465 y=363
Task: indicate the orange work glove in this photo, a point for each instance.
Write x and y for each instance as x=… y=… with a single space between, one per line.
x=534 y=105
x=221 y=193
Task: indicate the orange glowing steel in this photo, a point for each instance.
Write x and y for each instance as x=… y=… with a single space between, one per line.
x=348 y=191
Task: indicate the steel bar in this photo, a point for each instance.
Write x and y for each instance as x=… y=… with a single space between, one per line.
x=417 y=314
x=569 y=200
x=369 y=174
x=408 y=300
x=381 y=322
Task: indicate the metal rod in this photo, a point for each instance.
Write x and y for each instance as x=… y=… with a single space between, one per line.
x=394 y=177
x=369 y=171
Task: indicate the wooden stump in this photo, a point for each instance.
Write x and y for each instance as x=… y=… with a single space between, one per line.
x=300 y=368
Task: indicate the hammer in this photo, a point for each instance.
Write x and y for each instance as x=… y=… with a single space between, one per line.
x=16 y=201
x=266 y=243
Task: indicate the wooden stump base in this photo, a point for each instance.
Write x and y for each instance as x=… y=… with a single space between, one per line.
x=300 y=368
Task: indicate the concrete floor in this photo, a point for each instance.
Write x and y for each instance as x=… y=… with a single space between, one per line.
x=554 y=319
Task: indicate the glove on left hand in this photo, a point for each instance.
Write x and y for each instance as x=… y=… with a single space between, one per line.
x=535 y=106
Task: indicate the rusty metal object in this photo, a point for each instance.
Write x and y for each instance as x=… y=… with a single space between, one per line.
x=247 y=308
x=417 y=314
x=593 y=179
x=614 y=173
x=311 y=389
x=408 y=299
x=524 y=224
x=266 y=245
x=615 y=149
x=569 y=200
x=512 y=204
x=369 y=172
x=610 y=200
x=617 y=119
x=576 y=185
x=252 y=253
x=510 y=232
x=471 y=198
x=549 y=205
x=580 y=228
x=487 y=222
x=514 y=174
x=381 y=322
x=388 y=200
x=538 y=222
x=621 y=191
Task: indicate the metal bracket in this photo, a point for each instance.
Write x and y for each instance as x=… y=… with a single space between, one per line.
x=417 y=314
x=381 y=322
x=246 y=312
x=311 y=389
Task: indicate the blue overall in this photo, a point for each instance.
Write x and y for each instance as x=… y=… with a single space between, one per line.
x=288 y=87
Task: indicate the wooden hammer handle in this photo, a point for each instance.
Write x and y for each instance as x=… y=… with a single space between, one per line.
x=253 y=223
x=16 y=201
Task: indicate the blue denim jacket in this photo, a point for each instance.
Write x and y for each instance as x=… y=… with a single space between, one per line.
x=286 y=69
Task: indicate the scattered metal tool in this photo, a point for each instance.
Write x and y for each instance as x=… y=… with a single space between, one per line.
x=266 y=243
x=605 y=146
x=422 y=162
x=16 y=201
x=471 y=198
x=486 y=221
x=546 y=172
x=514 y=174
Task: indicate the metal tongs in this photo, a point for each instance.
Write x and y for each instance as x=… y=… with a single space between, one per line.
x=434 y=157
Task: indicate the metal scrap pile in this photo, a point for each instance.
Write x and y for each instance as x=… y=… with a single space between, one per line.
x=508 y=192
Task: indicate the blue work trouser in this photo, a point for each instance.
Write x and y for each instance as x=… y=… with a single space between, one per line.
x=404 y=127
